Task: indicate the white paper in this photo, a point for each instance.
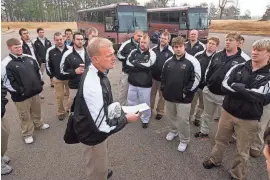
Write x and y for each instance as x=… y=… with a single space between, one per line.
x=133 y=109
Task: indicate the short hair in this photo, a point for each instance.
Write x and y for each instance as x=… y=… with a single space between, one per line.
x=138 y=31
x=96 y=43
x=21 y=30
x=39 y=29
x=216 y=39
x=75 y=34
x=91 y=30
x=234 y=35
x=262 y=44
x=68 y=30
x=12 y=42
x=57 y=34
x=167 y=34
x=178 y=41
x=146 y=37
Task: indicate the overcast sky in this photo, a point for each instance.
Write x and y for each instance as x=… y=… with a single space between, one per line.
x=257 y=7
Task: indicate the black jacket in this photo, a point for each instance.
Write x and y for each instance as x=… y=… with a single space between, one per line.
x=124 y=51
x=53 y=60
x=26 y=50
x=139 y=65
x=198 y=46
x=180 y=79
x=41 y=49
x=204 y=62
x=246 y=91
x=71 y=60
x=4 y=100
x=162 y=56
x=87 y=129
x=219 y=65
x=22 y=77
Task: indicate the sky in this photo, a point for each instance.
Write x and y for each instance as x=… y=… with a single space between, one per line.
x=257 y=7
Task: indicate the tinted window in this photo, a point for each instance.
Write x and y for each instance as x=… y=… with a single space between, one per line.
x=155 y=16
x=100 y=17
x=174 y=17
x=164 y=16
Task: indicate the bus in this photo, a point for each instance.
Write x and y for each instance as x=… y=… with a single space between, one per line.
x=116 y=22
x=179 y=21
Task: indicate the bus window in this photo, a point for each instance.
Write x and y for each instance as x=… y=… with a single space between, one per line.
x=125 y=21
x=100 y=17
x=140 y=20
x=183 y=20
x=155 y=16
x=109 y=23
x=164 y=17
x=198 y=20
x=173 y=17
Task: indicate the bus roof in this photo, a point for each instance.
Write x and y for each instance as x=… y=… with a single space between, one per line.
x=174 y=8
x=107 y=7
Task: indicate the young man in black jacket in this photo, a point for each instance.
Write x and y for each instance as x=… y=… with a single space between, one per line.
x=122 y=55
x=96 y=117
x=193 y=45
x=23 y=79
x=41 y=44
x=204 y=58
x=219 y=65
x=69 y=41
x=53 y=60
x=140 y=62
x=247 y=86
x=163 y=52
x=73 y=63
x=180 y=78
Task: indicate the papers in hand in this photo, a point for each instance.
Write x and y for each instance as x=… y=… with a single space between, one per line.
x=134 y=109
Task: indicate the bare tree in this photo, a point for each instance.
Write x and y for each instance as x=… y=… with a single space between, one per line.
x=222 y=4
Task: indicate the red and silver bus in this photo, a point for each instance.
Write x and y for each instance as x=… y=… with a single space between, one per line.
x=116 y=22
x=179 y=21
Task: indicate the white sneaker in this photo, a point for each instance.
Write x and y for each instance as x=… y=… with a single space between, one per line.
x=29 y=140
x=44 y=126
x=182 y=147
x=170 y=136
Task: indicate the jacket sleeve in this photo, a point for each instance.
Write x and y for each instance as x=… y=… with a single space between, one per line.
x=194 y=78
x=10 y=79
x=163 y=76
x=49 y=67
x=134 y=63
x=4 y=100
x=122 y=53
x=209 y=70
x=39 y=74
x=65 y=66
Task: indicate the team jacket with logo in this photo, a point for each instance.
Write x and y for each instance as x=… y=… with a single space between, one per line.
x=198 y=46
x=26 y=50
x=180 y=78
x=219 y=65
x=22 y=77
x=53 y=60
x=162 y=56
x=71 y=60
x=41 y=49
x=139 y=65
x=124 y=51
x=246 y=91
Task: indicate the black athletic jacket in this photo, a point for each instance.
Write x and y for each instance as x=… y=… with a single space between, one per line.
x=246 y=91
x=180 y=78
x=124 y=51
x=26 y=50
x=22 y=77
x=71 y=60
x=53 y=60
x=162 y=56
x=219 y=65
x=139 y=65
x=41 y=49
x=198 y=46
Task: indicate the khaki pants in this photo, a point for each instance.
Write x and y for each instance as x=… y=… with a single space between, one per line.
x=245 y=131
x=161 y=101
x=123 y=89
x=199 y=110
x=177 y=115
x=72 y=95
x=60 y=87
x=42 y=67
x=211 y=103
x=258 y=143
x=30 y=115
x=5 y=130
x=96 y=158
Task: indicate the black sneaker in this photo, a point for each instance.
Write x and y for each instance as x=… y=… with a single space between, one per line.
x=144 y=125
x=110 y=173
x=61 y=117
x=199 y=134
x=158 y=117
x=207 y=164
x=197 y=122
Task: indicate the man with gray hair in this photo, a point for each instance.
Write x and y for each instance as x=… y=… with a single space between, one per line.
x=247 y=86
x=91 y=33
x=193 y=46
x=95 y=116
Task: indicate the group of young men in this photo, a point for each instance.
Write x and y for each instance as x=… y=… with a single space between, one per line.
x=182 y=73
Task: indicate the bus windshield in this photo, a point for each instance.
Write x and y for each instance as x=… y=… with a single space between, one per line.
x=198 y=20
x=128 y=21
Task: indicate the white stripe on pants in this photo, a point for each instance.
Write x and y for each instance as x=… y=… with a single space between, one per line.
x=211 y=103
x=178 y=118
x=138 y=95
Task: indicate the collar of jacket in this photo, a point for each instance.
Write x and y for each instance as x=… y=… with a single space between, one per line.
x=239 y=51
x=205 y=54
x=166 y=48
x=65 y=48
x=181 y=59
x=144 y=52
x=16 y=58
x=194 y=44
x=265 y=68
x=134 y=43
